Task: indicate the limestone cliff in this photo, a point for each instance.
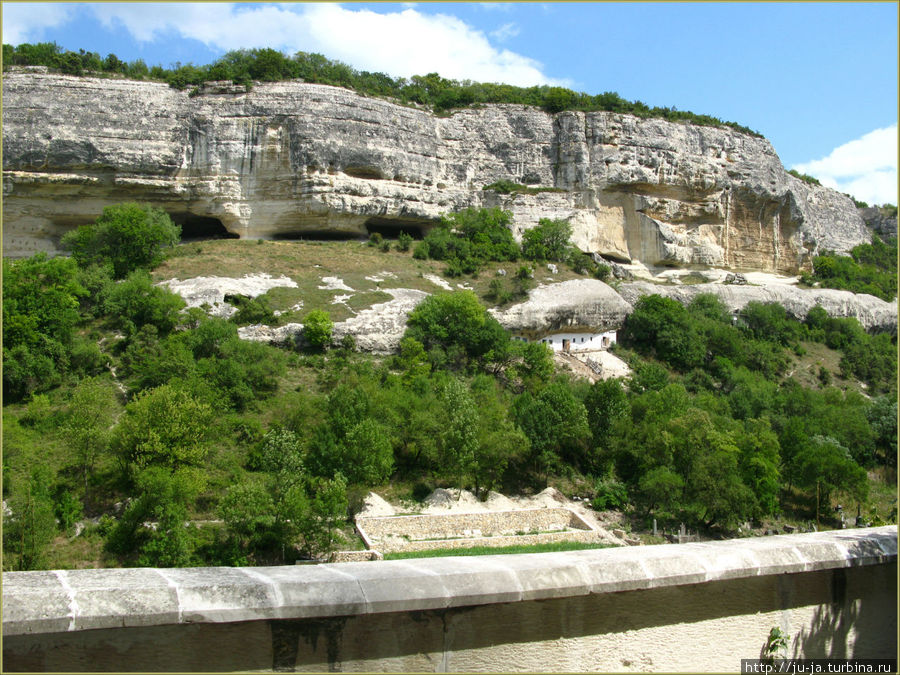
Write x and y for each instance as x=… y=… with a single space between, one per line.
x=292 y=159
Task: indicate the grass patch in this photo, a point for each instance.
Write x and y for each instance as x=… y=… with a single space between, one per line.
x=805 y=369
x=549 y=547
x=307 y=262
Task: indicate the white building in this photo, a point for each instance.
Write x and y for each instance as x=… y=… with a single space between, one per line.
x=574 y=342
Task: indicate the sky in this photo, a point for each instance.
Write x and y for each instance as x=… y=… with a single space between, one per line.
x=819 y=80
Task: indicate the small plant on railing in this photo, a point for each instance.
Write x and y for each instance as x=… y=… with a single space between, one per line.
x=776 y=645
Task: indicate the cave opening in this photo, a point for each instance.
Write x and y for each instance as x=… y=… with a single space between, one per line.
x=390 y=228
x=194 y=227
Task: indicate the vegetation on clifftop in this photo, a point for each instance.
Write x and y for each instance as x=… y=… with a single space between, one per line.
x=245 y=66
x=870 y=268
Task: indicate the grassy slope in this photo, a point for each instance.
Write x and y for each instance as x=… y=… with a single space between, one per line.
x=307 y=262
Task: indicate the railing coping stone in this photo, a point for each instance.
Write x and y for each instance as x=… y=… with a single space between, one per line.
x=72 y=600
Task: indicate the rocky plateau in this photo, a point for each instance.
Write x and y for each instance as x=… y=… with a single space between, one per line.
x=290 y=159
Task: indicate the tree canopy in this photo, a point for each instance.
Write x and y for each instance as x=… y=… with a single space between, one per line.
x=127 y=236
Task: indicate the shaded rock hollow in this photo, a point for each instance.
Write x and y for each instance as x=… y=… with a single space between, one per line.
x=292 y=159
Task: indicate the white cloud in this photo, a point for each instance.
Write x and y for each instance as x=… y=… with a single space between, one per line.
x=25 y=22
x=505 y=32
x=865 y=168
x=496 y=6
x=400 y=43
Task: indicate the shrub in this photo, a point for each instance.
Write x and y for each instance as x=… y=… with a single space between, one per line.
x=126 y=236
x=163 y=427
x=806 y=178
x=317 y=328
x=137 y=301
x=609 y=494
x=404 y=241
x=252 y=310
x=548 y=241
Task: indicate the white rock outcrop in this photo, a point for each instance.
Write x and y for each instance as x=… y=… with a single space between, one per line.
x=290 y=159
x=873 y=313
x=585 y=305
x=211 y=291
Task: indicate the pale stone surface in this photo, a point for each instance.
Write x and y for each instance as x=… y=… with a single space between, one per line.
x=380 y=328
x=290 y=158
x=377 y=329
x=580 y=305
x=827 y=613
x=873 y=313
x=485 y=528
x=51 y=602
x=212 y=290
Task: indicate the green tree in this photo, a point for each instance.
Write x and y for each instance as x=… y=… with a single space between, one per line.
x=498 y=440
x=31 y=526
x=87 y=427
x=548 y=241
x=126 y=236
x=448 y=323
x=606 y=404
x=556 y=424
x=163 y=427
x=459 y=439
x=153 y=531
x=317 y=329
x=826 y=467
x=137 y=301
x=663 y=328
x=40 y=313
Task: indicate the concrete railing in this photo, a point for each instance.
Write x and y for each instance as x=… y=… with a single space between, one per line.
x=700 y=606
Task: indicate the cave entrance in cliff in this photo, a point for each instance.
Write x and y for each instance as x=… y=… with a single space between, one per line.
x=195 y=228
x=390 y=228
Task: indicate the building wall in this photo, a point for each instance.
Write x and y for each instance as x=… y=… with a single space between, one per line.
x=577 y=341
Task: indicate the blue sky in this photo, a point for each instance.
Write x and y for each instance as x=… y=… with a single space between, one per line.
x=819 y=80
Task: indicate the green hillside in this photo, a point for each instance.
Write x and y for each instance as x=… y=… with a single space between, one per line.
x=122 y=409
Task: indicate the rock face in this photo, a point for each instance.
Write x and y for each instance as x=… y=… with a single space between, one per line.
x=881 y=220
x=573 y=306
x=291 y=159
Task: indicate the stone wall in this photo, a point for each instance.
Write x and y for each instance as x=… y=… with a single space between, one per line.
x=523 y=527
x=439 y=526
x=689 y=608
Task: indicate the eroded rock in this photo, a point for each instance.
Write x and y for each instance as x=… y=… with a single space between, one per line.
x=292 y=159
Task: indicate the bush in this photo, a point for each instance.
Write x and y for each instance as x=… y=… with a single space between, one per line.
x=163 y=427
x=317 y=328
x=127 y=236
x=137 y=301
x=548 y=241
x=404 y=241
x=609 y=494
x=457 y=321
x=251 y=310
x=467 y=239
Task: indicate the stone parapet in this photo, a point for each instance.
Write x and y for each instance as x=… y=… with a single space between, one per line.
x=79 y=600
